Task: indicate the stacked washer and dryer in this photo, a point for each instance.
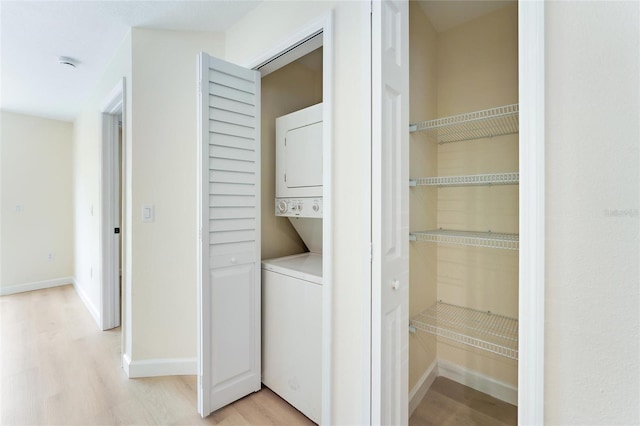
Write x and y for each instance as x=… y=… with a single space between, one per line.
x=292 y=285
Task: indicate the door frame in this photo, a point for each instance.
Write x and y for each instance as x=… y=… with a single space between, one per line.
x=531 y=222
x=531 y=55
x=111 y=206
x=324 y=25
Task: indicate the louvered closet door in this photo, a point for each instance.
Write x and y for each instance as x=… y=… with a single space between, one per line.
x=229 y=249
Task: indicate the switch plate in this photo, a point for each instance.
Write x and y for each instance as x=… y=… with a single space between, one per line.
x=147 y=212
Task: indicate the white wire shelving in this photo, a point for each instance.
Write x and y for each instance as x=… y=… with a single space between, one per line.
x=473 y=125
x=481 y=329
x=468 y=180
x=468 y=238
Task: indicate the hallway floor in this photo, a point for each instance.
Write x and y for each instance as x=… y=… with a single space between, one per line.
x=57 y=367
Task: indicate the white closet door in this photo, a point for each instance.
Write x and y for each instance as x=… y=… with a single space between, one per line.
x=390 y=212
x=229 y=220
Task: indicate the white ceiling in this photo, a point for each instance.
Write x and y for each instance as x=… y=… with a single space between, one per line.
x=446 y=14
x=34 y=33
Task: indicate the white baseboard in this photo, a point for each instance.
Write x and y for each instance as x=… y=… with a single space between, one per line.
x=424 y=383
x=21 y=288
x=479 y=382
x=159 y=367
x=126 y=362
x=93 y=310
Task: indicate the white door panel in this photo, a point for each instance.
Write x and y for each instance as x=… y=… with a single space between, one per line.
x=232 y=340
x=304 y=143
x=390 y=212
x=229 y=225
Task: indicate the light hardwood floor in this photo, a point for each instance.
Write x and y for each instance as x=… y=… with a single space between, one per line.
x=448 y=403
x=57 y=368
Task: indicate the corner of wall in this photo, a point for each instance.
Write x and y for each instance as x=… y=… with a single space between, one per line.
x=91 y=307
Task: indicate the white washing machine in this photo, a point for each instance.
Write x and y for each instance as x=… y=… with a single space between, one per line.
x=292 y=330
x=292 y=285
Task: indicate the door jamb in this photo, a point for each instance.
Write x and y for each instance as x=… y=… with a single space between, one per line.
x=532 y=213
x=111 y=208
x=322 y=25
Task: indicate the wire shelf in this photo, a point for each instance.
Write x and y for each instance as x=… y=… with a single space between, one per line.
x=474 y=125
x=469 y=180
x=475 y=239
x=481 y=329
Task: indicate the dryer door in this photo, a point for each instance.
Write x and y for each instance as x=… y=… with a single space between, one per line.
x=303 y=156
x=299 y=153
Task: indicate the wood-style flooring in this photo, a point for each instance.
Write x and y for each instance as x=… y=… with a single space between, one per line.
x=57 y=368
x=448 y=403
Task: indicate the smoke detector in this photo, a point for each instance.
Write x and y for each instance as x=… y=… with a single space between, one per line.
x=70 y=62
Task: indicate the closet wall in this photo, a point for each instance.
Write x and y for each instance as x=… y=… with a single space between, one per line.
x=476 y=68
x=423 y=156
x=292 y=87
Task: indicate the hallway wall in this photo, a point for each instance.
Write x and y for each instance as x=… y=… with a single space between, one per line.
x=36 y=243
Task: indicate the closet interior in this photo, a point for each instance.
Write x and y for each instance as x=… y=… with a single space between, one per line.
x=291 y=231
x=464 y=196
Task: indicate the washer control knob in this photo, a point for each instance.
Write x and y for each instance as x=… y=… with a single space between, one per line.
x=282 y=206
x=315 y=207
x=300 y=206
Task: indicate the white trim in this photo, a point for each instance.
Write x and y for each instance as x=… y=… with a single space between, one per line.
x=202 y=250
x=420 y=389
x=114 y=101
x=367 y=373
x=327 y=220
x=303 y=47
x=126 y=363
x=93 y=310
x=303 y=33
x=324 y=25
x=532 y=209
x=38 y=285
x=160 y=367
x=110 y=211
x=478 y=381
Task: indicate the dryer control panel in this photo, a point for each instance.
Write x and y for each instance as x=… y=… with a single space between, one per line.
x=299 y=207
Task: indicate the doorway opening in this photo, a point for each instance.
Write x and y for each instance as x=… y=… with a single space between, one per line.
x=292 y=216
x=111 y=230
x=229 y=158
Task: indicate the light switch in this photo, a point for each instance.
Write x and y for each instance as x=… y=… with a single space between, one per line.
x=147 y=212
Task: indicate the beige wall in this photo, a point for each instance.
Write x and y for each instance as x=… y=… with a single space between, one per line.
x=87 y=145
x=36 y=174
x=250 y=39
x=478 y=69
x=163 y=173
x=469 y=67
x=423 y=199
x=592 y=315
x=286 y=90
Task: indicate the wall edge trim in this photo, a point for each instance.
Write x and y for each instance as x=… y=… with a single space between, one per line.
x=478 y=381
x=160 y=367
x=424 y=383
x=93 y=310
x=38 y=285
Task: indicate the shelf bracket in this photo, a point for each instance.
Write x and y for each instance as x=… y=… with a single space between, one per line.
x=412 y=329
x=412 y=182
x=412 y=237
x=413 y=128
